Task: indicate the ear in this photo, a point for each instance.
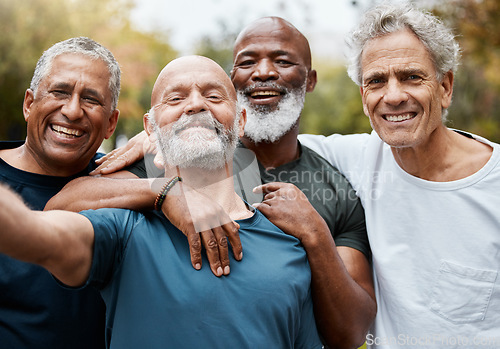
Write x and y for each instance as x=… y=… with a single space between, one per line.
x=242 y=122
x=447 y=90
x=312 y=79
x=29 y=97
x=113 y=121
x=147 y=124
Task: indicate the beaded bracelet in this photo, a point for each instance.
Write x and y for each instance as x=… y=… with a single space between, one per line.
x=163 y=192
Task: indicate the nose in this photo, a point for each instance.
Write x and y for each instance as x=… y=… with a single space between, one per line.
x=264 y=71
x=195 y=104
x=72 y=108
x=394 y=93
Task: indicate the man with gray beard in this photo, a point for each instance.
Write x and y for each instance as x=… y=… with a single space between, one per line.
x=137 y=260
x=272 y=73
x=197 y=148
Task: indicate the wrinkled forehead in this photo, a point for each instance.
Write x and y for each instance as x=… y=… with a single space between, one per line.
x=195 y=72
x=273 y=33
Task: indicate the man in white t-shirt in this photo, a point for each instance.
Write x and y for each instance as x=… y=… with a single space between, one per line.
x=431 y=194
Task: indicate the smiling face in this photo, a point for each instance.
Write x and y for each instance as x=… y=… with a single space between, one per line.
x=69 y=115
x=194 y=106
x=400 y=91
x=272 y=65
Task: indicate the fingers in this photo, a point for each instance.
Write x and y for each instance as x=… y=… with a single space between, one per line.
x=215 y=243
x=112 y=165
x=269 y=187
x=231 y=231
x=124 y=156
x=218 y=259
x=194 y=242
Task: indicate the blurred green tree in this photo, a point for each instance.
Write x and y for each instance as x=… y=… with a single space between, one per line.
x=31 y=26
x=476 y=103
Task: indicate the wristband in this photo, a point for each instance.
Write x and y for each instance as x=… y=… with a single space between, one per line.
x=163 y=192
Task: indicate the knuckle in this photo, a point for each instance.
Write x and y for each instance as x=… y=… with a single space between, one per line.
x=195 y=245
x=211 y=243
x=223 y=241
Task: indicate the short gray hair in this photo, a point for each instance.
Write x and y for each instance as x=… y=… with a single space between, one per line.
x=390 y=18
x=84 y=46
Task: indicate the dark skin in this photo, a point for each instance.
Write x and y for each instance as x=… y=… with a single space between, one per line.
x=272 y=50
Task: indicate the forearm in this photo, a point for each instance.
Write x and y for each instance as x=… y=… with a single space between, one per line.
x=344 y=307
x=98 y=192
x=43 y=238
x=18 y=233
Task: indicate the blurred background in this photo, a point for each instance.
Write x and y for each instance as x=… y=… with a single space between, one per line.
x=144 y=35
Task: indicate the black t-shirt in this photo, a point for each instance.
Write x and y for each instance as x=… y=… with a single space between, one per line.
x=328 y=191
x=35 y=312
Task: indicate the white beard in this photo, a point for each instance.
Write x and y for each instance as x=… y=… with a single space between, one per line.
x=264 y=125
x=208 y=148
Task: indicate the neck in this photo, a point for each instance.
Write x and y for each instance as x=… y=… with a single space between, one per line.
x=23 y=158
x=272 y=155
x=217 y=185
x=446 y=156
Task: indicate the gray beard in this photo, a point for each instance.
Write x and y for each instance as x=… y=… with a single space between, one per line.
x=197 y=149
x=265 y=125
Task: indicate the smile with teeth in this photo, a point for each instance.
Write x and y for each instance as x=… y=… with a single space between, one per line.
x=264 y=93
x=66 y=131
x=402 y=117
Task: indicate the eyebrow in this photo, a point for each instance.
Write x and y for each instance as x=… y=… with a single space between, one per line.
x=67 y=86
x=255 y=53
x=405 y=72
x=206 y=86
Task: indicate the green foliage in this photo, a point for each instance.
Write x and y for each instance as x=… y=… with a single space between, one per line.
x=335 y=104
x=476 y=102
x=31 y=26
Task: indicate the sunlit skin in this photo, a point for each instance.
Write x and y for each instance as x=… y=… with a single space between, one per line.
x=68 y=117
x=271 y=51
x=404 y=100
x=190 y=86
x=399 y=81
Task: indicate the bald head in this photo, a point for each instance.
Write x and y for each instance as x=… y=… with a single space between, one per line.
x=273 y=28
x=190 y=70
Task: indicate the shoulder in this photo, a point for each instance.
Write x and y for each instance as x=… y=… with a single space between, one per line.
x=113 y=219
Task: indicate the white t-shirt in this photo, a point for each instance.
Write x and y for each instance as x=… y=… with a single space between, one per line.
x=436 y=246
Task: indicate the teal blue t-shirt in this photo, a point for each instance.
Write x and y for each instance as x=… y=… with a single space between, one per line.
x=156 y=299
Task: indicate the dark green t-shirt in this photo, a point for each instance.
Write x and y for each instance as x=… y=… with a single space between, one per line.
x=328 y=191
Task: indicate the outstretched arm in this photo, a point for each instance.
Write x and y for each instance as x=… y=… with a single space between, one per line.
x=203 y=221
x=44 y=238
x=342 y=285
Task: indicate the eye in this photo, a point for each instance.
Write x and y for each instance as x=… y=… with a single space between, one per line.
x=414 y=77
x=174 y=99
x=214 y=97
x=374 y=82
x=245 y=63
x=91 y=100
x=284 y=62
x=59 y=93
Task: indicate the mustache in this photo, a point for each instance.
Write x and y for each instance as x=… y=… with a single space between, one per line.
x=202 y=119
x=264 y=84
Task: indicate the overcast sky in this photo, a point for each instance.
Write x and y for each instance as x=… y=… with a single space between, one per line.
x=324 y=22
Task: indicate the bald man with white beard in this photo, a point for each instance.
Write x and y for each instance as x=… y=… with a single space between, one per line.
x=138 y=260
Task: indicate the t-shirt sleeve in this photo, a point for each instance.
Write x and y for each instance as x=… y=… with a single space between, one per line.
x=112 y=231
x=145 y=168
